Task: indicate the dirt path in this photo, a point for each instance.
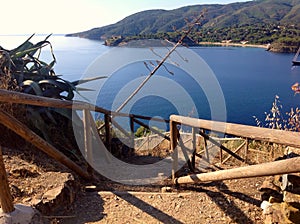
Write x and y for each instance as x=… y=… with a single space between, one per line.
x=232 y=201
x=219 y=202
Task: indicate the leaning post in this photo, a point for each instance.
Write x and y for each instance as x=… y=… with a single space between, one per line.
x=6 y=200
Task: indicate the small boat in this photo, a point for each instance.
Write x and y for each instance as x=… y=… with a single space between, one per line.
x=295 y=62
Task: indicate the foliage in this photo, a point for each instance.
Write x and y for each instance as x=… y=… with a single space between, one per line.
x=277 y=119
x=21 y=69
x=33 y=75
x=141 y=132
x=258 y=22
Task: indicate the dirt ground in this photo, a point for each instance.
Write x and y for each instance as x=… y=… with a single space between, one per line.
x=221 y=202
x=232 y=201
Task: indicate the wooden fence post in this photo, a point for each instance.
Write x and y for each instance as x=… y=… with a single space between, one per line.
x=194 y=142
x=107 y=132
x=132 y=132
x=5 y=195
x=246 y=150
x=173 y=144
x=87 y=136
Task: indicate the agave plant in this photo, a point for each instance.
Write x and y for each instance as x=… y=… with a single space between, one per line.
x=35 y=76
x=21 y=69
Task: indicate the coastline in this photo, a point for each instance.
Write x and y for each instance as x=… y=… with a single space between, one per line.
x=265 y=46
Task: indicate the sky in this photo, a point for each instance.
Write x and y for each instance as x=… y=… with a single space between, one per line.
x=70 y=16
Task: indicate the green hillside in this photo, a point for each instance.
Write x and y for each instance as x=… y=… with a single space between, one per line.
x=260 y=21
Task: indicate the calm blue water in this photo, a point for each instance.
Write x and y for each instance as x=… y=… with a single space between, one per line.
x=249 y=77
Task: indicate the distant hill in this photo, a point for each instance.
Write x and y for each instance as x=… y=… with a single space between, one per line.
x=218 y=16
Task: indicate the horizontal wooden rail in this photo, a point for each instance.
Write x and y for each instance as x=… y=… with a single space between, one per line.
x=287 y=138
x=260 y=170
x=28 y=99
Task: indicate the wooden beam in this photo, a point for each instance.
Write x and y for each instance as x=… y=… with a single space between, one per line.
x=173 y=143
x=87 y=136
x=131 y=121
x=194 y=145
x=22 y=130
x=107 y=131
x=205 y=136
x=287 y=138
x=265 y=169
x=6 y=199
x=235 y=151
x=28 y=99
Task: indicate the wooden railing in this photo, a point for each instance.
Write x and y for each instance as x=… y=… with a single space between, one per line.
x=88 y=121
x=199 y=127
x=282 y=137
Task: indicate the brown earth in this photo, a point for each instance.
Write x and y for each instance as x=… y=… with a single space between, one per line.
x=32 y=175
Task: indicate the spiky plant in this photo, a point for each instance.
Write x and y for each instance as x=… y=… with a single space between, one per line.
x=21 y=69
x=34 y=76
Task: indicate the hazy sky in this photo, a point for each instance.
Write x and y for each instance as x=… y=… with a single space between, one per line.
x=67 y=16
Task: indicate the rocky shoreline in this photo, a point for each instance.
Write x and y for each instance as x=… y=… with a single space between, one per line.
x=276 y=47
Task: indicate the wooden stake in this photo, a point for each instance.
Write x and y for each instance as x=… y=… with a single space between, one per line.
x=87 y=137
x=6 y=199
x=173 y=144
x=107 y=131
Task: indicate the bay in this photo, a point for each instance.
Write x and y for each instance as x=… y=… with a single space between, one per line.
x=250 y=78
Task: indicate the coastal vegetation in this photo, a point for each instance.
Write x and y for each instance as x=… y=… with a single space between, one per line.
x=22 y=70
x=253 y=22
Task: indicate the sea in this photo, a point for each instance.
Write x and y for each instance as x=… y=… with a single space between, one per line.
x=232 y=84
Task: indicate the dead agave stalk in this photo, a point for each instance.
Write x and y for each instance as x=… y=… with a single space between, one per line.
x=179 y=42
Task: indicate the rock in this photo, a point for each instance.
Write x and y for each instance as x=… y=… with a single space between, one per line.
x=281 y=213
x=166 y=189
x=291 y=198
x=58 y=198
x=21 y=215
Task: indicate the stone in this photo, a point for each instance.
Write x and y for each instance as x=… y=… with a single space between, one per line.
x=166 y=189
x=21 y=215
x=58 y=198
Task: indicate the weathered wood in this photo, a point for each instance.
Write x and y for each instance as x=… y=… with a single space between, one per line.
x=6 y=199
x=131 y=131
x=206 y=150
x=194 y=144
x=28 y=99
x=235 y=151
x=287 y=138
x=22 y=130
x=246 y=150
x=107 y=131
x=221 y=146
x=87 y=132
x=173 y=143
x=265 y=169
x=23 y=98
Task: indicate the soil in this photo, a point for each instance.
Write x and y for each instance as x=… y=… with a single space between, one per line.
x=31 y=174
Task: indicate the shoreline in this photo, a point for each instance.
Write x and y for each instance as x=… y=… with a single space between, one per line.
x=264 y=46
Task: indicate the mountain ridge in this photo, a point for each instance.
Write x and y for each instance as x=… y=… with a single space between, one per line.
x=257 y=13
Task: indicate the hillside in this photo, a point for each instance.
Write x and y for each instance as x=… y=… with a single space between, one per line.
x=218 y=17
